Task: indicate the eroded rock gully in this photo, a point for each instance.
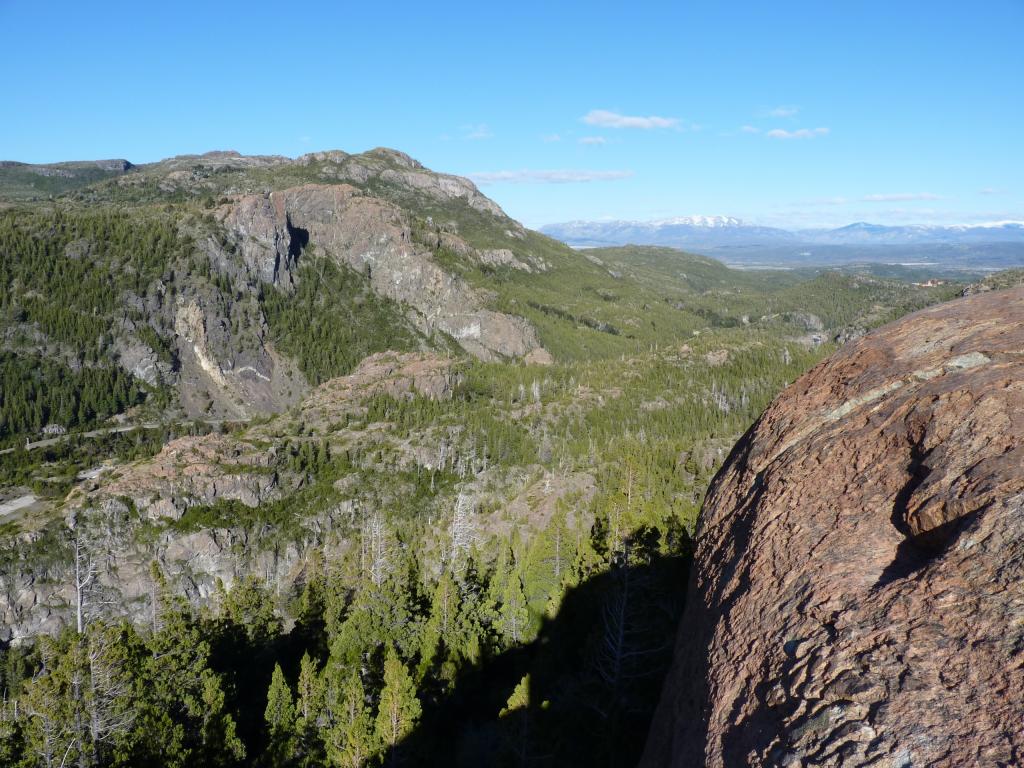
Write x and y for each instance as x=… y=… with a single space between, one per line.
x=857 y=595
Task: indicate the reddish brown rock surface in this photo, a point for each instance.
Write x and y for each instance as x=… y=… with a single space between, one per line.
x=858 y=593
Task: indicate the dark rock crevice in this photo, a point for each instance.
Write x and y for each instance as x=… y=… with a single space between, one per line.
x=298 y=239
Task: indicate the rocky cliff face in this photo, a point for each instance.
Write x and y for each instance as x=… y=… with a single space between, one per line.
x=198 y=323
x=856 y=598
x=132 y=515
x=373 y=237
x=264 y=236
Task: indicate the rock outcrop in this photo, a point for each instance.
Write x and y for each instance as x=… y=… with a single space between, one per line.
x=858 y=592
x=219 y=371
x=373 y=237
x=394 y=374
x=134 y=512
x=390 y=166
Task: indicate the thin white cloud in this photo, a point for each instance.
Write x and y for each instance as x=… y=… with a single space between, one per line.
x=476 y=132
x=566 y=176
x=607 y=119
x=991 y=191
x=749 y=129
x=783 y=111
x=897 y=197
x=800 y=133
x=550 y=138
x=593 y=140
x=900 y=197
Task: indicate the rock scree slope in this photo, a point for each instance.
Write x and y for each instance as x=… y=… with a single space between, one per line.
x=857 y=596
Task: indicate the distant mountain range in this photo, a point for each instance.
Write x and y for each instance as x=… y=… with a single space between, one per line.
x=995 y=244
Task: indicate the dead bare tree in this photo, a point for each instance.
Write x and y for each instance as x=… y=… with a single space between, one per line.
x=461 y=532
x=85 y=574
x=108 y=690
x=629 y=638
x=375 y=548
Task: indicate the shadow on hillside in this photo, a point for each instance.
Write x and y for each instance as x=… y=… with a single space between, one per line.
x=595 y=670
x=595 y=675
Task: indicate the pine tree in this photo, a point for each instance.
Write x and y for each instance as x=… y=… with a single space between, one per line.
x=515 y=721
x=399 y=709
x=547 y=567
x=280 y=718
x=438 y=630
x=53 y=703
x=309 y=706
x=249 y=607
x=309 y=693
x=380 y=613
x=513 y=615
x=520 y=698
x=183 y=714
x=349 y=737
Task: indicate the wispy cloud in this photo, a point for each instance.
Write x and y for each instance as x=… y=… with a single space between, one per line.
x=593 y=140
x=799 y=133
x=896 y=197
x=607 y=119
x=550 y=138
x=783 y=111
x=828 y=201
x=565 y=176
x=749 y=129
x=476 y=132
x=991 y=191
x=900 y=197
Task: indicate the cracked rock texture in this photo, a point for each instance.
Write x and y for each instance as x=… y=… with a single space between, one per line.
x=857 y=596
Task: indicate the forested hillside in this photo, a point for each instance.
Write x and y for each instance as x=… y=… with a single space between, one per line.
x=392 y=479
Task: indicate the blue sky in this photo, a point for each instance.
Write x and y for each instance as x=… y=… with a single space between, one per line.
x=782 y=113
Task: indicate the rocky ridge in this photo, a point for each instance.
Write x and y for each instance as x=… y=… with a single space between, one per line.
x=248 y=221
x=856 y=595
x=133 y=514
x=373 y=237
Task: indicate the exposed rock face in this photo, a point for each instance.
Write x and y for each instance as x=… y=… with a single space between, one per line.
x=394 y=167
x=133 y=508
x=373 y=237
x=190 y=471
x=266 y=240
x=393 y=374
x=858 y=592
x=218 y=369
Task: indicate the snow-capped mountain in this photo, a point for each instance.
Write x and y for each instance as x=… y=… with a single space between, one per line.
x=699 y=221
x=682 y=232
x=712 y=232
x=998 y=244
x=864 y=233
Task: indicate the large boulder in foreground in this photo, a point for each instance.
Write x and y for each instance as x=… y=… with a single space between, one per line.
x=858 y=592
